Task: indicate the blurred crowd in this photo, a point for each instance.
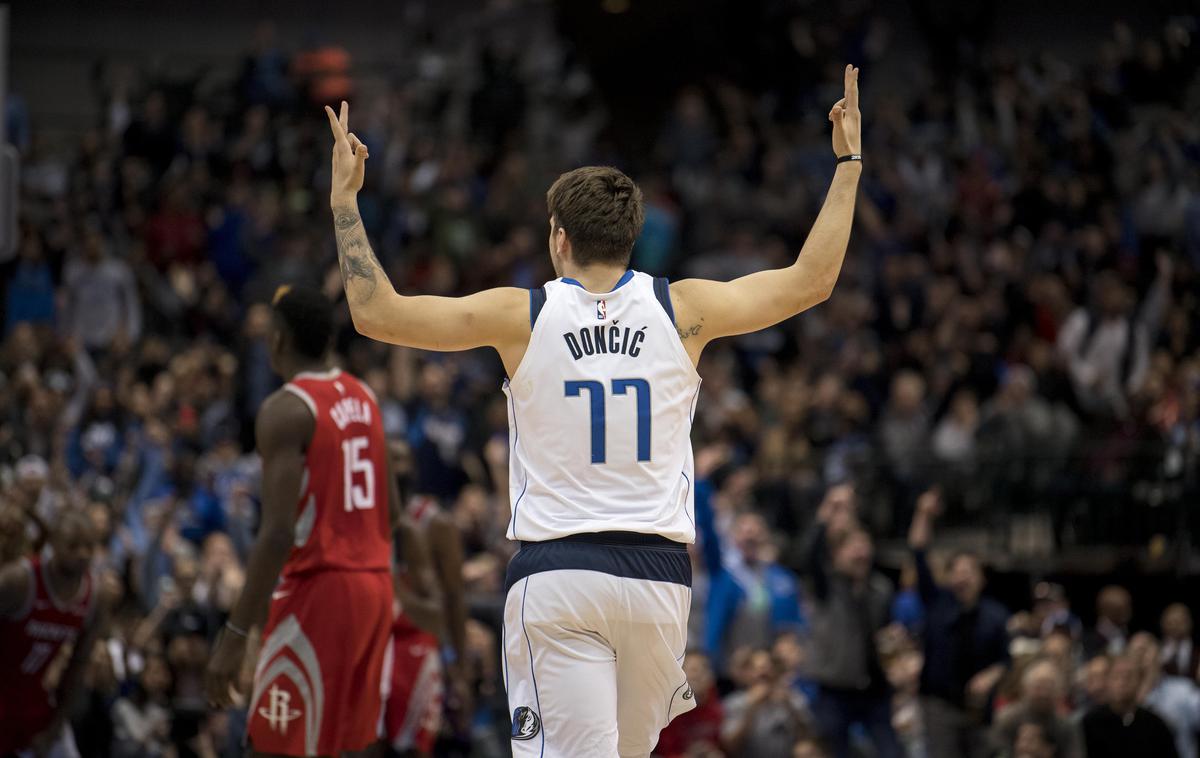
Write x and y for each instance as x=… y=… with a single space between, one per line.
x=1014 y=336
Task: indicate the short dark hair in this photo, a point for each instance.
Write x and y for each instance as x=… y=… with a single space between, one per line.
x=601 y=210
x=307 y=316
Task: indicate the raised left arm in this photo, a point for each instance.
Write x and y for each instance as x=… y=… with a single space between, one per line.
x=706 y=310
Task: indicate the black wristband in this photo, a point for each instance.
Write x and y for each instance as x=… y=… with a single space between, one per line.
x=850 y=157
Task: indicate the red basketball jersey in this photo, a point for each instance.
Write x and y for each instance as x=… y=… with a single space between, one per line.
x=342 y=517
x=29 y=642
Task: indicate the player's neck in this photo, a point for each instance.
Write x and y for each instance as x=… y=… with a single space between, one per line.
x=291 y=368
x=64 y=586
x=595 y=278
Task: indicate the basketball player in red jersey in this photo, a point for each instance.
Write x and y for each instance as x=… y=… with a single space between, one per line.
x=417 y=694
x=318 y=682
x=46 y=602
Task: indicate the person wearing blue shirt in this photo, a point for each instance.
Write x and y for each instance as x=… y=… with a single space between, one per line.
x=30 y=293
x=751 y=598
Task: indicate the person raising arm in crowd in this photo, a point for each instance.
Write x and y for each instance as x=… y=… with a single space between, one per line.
x=966 y=644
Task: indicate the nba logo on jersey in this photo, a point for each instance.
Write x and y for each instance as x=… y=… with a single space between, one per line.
x=601 y=310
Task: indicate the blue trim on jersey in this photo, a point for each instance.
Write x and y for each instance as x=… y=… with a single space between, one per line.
x=689 y=490
x=518 y=505
x=671 y=700
x=537 y=700
x=504 y=647
x=692 y=415
x=628 y=555
x=662 y=291
x=620 y=282
x=537 y=301
x=516 y=438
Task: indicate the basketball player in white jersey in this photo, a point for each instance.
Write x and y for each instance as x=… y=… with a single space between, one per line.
x=602 y=390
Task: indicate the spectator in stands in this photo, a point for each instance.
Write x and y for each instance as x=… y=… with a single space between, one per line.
x=751 y=598
x=142 y=719
x=1122 y=728
x=966 y=645
x=438 y=433
x=1180 y=657
x=1114 y=609
x=851 y=605
x=1106 y=348
x=1092 y=686
x=1174 y=699
x=103 y=310
x=807 y=747
x=1024 y=436
x=906 y=607
x=29 y=296
x=768 y=716
x=1052 y=611
x=699 y=728
x=1042 y=695
x=1033 y=740
x=904 y=428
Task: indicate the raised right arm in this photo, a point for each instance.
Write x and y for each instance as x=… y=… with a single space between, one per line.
x=920 y=534
x=498 y=317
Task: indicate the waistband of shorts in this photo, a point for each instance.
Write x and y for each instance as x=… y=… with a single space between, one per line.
x=616 y=539
x=629 y=555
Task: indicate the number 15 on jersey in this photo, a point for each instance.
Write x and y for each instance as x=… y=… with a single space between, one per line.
x=359 y=494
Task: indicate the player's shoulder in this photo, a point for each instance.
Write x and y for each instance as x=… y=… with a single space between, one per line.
x=359 y=383
x=18 y=588
x=285 y=415
x=287 y=400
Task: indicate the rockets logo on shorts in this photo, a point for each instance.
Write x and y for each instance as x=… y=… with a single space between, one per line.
x=279 y=712
x=525 y=723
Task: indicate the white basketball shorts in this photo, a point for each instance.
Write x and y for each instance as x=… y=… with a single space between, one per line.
x=595 y=629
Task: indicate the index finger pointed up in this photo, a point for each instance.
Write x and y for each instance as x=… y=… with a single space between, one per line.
x=339 y=134
x=851 y=87
x=344 y=116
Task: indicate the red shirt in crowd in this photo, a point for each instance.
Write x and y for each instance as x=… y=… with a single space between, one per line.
x=701 y=724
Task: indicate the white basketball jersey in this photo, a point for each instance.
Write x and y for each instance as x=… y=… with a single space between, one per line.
x=600 y=416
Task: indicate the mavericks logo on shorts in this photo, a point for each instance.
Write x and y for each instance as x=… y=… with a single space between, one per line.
x=525 y=723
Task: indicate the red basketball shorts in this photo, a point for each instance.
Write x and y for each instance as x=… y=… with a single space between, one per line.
x=320 y=674
x=413 y=713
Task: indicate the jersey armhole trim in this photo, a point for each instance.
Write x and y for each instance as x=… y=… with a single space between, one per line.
x=304 y=396
x=662 y=292
x=537 y=300
x=366 y=388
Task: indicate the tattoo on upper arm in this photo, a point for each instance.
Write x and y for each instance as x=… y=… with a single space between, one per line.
x=691 y=331
x=360 y=268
